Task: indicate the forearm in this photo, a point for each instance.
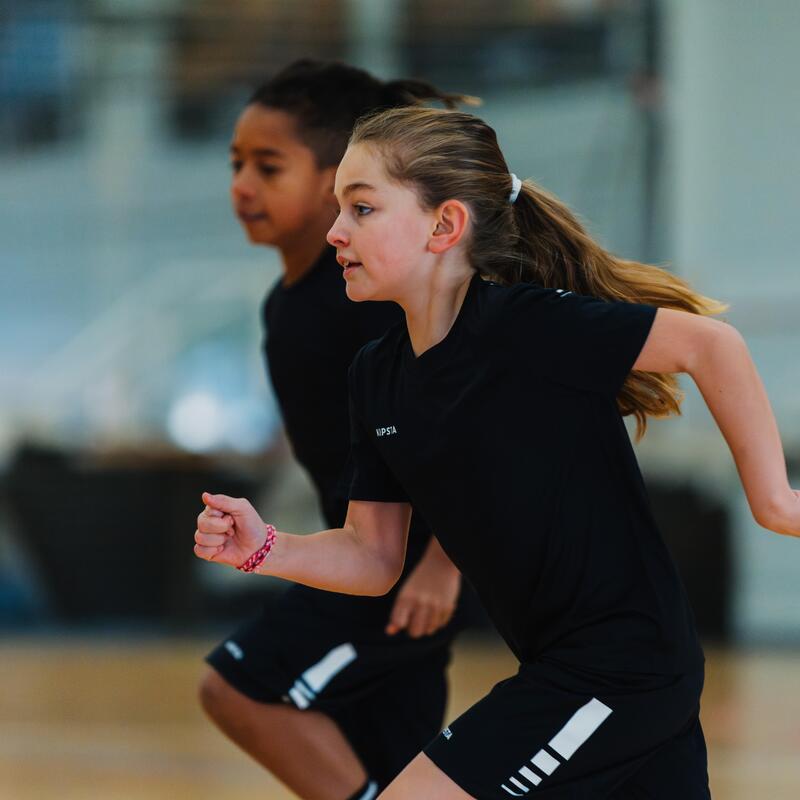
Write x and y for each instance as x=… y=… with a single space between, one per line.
x=735 y=395
x=336 y=560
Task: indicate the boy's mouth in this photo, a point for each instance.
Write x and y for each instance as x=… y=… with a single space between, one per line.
x=246 y=216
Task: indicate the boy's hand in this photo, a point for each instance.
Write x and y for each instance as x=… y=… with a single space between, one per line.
x=229 y=530
x=426 y=600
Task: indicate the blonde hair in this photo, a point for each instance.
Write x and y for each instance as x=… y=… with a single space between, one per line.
x=446 y=155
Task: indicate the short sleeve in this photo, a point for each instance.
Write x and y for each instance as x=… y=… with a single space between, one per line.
x=370 y=476
x=575 y=340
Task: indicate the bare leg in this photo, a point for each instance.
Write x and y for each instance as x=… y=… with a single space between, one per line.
x=286 y=741
x=423 y=780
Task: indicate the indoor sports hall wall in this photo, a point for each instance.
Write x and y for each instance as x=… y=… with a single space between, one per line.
x=129 y=301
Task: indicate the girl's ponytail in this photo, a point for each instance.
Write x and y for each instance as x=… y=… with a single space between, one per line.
x=555 y=251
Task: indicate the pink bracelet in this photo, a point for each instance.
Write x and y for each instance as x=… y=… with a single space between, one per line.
x=257 y=559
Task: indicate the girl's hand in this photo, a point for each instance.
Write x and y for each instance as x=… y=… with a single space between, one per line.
x=229 y=530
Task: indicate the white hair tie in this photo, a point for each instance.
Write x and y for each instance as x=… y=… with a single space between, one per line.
x=516 y=185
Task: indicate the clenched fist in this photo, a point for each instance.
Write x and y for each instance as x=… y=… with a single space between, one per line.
x=229 y=530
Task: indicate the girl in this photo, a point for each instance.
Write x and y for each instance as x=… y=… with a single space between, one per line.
x=497 y=411
x=334 y=694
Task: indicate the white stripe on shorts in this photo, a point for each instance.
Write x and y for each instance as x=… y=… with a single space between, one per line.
x=298 y=698
x=583 y=723
x=530 y=775
x=518 y=784
x=580 y=726
x=545 y=762
x=303 y=689
x=371 y=792
x=318 y=676
x=234 y=650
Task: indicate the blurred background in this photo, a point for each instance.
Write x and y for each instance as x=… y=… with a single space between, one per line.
x=130 y=364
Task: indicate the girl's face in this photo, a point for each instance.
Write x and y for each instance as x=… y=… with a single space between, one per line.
x=277 y=190
x=381 y=234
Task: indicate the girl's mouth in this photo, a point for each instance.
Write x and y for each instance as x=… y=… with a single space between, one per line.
x=347 y=265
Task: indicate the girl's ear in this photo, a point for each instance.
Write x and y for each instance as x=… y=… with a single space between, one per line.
x=451 y=222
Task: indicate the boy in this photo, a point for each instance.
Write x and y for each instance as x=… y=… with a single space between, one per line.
x=333 y=694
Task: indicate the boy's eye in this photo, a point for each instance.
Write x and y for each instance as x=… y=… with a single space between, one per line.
x=362 y=210
x=265 y=169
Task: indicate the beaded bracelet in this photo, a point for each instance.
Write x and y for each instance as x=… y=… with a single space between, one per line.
x=257 y=559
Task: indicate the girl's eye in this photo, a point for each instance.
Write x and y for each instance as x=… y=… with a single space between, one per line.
x=236 y=165
x=266 y=169
x=362 y=210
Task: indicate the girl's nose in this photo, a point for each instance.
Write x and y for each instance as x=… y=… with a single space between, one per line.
x=337 y=235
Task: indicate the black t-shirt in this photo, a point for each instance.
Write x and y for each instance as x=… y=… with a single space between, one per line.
x=312 y=331
x=507 y=437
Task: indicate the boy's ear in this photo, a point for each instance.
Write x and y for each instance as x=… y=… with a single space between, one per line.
x=328 y=175
x=451 y=222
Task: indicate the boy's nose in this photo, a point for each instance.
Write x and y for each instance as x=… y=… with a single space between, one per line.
x=241 y=187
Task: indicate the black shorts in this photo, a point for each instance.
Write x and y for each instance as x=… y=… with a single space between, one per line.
x=386 y=693
x=549 y=733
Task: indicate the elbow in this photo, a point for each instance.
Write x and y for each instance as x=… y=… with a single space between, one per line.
x=387 y=583
x=380 y=560
x=769 y=521
x=377 y=590
x=731 y=338
x=719 y=341
x=380 y=591
x=763 y=517
x=774 y=516
x=384 y=574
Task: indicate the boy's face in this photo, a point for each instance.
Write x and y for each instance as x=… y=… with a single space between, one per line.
x=278 y=192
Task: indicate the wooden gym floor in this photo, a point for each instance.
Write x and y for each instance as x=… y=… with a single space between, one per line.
x=113 y=719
